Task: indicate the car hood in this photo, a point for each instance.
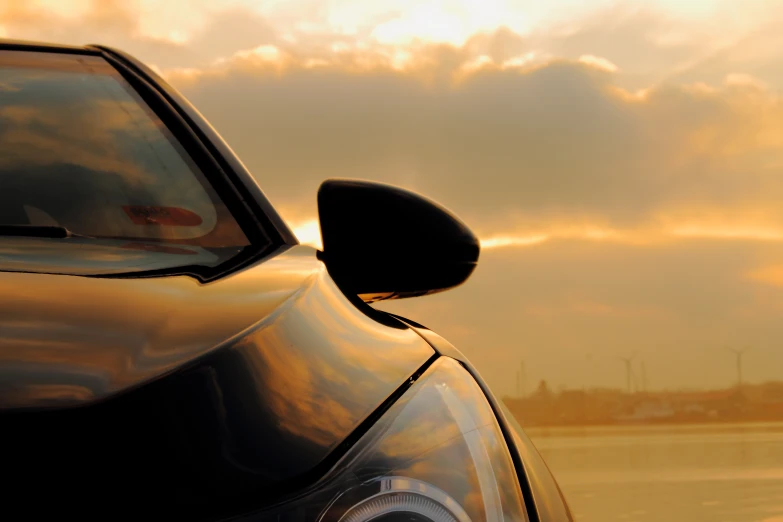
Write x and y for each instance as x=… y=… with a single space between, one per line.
x=219 y=397
x=68 y=340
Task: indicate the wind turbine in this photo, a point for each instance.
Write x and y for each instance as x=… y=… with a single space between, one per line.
x=739 y=354
x=628 y=369
x=522 y=379
x=589 y=373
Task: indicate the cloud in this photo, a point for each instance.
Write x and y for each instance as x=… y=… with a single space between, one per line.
x=567 y=126
x=514 y=150
x=119 y=24
x=754 y=52
x=602 y=64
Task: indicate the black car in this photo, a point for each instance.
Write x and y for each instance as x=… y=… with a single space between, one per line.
x=168 y=351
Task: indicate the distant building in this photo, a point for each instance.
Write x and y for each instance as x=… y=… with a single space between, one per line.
x=763 y=402
x=649 y=410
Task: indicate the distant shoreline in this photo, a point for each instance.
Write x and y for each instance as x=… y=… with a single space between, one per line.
x=654 y=423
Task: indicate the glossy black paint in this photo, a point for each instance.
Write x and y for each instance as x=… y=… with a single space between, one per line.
x=551 y=504
x=24 y=45
x=180 y=385
x=543 y=497
x=383 y=242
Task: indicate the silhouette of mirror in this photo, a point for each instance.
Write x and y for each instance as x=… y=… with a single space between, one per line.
x=383 y=242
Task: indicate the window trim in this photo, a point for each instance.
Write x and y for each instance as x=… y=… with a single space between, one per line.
x=233 y=167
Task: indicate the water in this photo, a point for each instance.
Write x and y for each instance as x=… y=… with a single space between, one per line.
x=707 y=473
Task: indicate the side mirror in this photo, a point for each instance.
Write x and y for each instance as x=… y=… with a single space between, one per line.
x=383 y=242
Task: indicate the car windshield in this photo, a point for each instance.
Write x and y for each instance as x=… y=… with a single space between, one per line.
x=80 y=152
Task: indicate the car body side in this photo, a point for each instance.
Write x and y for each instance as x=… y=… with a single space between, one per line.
x=208 y=389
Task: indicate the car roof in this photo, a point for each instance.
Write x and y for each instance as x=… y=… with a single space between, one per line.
x=29 y=45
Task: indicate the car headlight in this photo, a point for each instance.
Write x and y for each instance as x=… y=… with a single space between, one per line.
x=437 y=455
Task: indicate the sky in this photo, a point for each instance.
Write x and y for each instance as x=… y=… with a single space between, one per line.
x=622 y=162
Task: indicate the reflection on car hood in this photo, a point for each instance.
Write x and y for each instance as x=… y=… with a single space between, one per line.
x=86 y=256
x=216 y=396
x=68 y=340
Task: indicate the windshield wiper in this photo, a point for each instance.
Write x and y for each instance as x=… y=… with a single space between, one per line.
x=51 y=231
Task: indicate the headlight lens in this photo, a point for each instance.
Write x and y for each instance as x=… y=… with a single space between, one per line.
x=437 y=455
x=384 y=498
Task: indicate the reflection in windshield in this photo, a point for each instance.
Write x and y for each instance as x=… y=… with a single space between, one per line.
x=79 y=149
x=85 y=256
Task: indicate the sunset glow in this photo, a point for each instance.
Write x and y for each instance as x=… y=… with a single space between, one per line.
x=309 y=233
x=620 y=162
x=625 y=155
